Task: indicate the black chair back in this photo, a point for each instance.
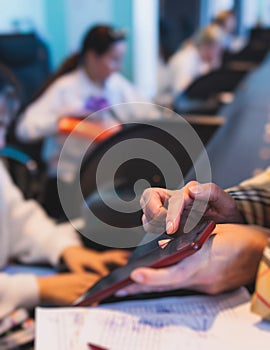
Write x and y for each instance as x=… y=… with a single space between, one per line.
x=27 y=56
x=203 y=95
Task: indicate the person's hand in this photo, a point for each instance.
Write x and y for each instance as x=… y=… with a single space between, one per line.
x=63 y=289
x=228 y=259
x=163 y=208
x=78 y=259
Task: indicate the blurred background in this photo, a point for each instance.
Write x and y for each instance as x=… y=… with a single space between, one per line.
x=61 y=24
x=208 y=60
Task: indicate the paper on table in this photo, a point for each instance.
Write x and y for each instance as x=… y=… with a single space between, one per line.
x=195 y=322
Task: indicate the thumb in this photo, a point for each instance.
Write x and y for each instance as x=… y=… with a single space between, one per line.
x=152 y=277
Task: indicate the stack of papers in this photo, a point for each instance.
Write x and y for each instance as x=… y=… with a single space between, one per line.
x=193 y=322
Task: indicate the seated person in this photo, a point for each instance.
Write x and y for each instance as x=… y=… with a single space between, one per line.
x=28 y=235
x=231 y=256
x=86 y=83
x=196 y=57
x=226 y=21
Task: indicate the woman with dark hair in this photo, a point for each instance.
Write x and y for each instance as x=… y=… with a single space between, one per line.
x=87 y=82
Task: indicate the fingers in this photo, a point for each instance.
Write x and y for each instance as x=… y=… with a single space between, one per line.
x=154 y=277
x=117 y=257
x=202 y=199
x=98 y=266
x=207 y=192
x=156 y=224
x=75 y=266
x=152 y=203
x=150 y=280
x=177 y=204
x=89 y=278
x=152 y=200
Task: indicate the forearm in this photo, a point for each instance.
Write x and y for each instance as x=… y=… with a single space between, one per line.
x=44 y=242
x=35 y=237
x=37 y=124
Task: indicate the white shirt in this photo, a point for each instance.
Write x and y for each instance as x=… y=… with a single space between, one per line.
x=27 y=234
x=183 y=68
x=67 y=96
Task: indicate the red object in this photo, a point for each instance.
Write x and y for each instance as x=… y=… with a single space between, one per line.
x=86 y=129
x=175 y=251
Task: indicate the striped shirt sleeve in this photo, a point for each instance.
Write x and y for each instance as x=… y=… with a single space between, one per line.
x=253 y=199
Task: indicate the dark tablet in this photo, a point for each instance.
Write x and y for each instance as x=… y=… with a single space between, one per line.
x=161 y=254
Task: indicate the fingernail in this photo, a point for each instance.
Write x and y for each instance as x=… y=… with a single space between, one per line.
x=121 y=293
x=196 y=189
x=138 y=277
x=164 y=242
x=169 y=227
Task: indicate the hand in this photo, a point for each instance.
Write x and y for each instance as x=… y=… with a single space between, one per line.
x=63 y=289
x=228 y=259
x=163 y=208
x=78 y=259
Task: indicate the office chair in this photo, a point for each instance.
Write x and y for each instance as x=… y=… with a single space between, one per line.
x=203 y=96
x=23 y=170
x=28 y=58
x=254 y=53
x=261 y=35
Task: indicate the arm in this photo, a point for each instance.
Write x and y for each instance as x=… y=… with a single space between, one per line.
x=32 y=235
x=40 y=118
x=26 y=290
x=35 y=237
x=17 y=290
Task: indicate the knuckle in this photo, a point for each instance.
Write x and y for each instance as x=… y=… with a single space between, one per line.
x=213 y=288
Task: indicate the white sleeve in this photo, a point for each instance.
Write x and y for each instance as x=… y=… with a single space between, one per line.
x=181 y=75
x=34 y=236
x=41 y=117
x=17 y=291
x=137 y=106
x=129 y=91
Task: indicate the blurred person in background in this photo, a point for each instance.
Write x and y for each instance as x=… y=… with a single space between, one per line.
x=226 y=21
x=197 y=56
x=86 y=83
x=28 y=235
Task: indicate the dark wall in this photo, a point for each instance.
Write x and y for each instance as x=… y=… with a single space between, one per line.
x=178 y=21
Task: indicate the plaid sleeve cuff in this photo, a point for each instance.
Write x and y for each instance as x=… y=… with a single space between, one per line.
x=253 y=204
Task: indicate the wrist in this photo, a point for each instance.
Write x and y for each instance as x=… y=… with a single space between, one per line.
x=43 y=283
